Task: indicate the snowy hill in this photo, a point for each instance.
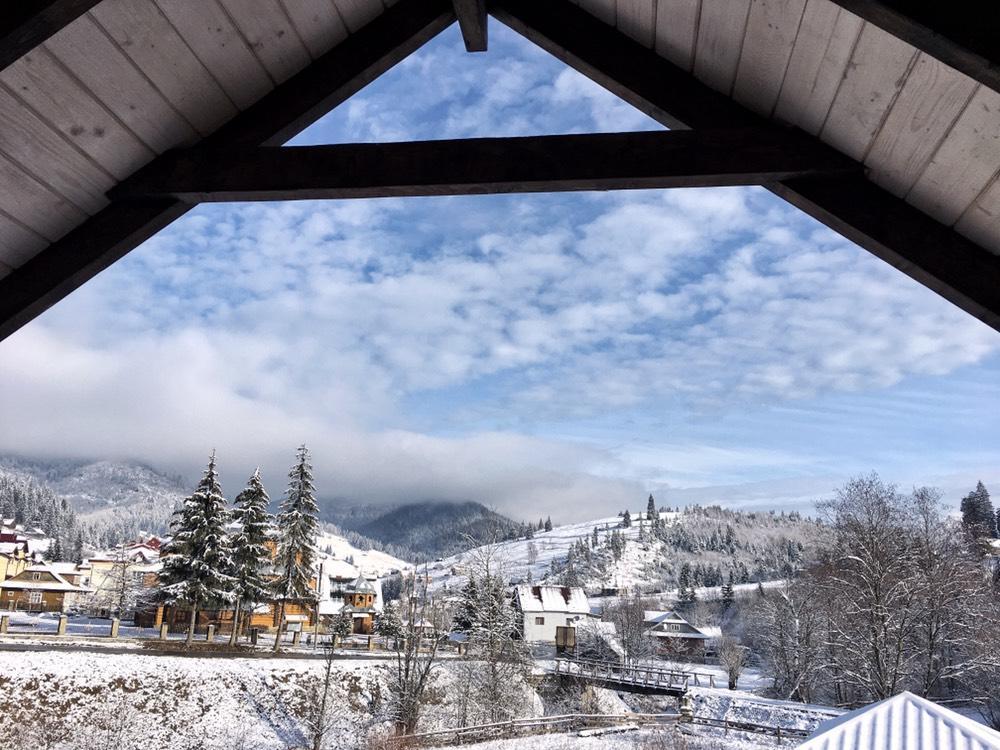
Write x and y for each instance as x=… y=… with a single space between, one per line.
x=422 y=530
x=708 y=545
x=369 y=561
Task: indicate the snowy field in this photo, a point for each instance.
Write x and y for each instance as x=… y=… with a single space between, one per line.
x=370 y=561
x=644 y=739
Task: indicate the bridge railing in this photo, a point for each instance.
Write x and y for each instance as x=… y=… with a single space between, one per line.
x=642 y=675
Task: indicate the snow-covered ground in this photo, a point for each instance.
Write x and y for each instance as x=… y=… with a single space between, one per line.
x=643 y=739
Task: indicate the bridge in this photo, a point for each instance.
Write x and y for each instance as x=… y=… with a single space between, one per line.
x=635 y=678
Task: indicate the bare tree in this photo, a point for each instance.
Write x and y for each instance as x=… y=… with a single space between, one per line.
x=416 y=654
x=319 y=716
x=497 y=661
x=733 y=656
x=786 y=627
x=629 y=617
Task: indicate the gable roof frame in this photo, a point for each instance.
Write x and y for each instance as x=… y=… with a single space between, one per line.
x=933 y=254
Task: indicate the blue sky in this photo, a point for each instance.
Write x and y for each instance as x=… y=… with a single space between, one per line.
x=545 y=354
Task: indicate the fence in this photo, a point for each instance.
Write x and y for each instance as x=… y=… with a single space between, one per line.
x=527 y=727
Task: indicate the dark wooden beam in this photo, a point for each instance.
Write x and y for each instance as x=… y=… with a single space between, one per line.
x=472 y=20
x=25 y=24
x=104 y=238
x=604 y=161
x=956 y=268
x=964 y=34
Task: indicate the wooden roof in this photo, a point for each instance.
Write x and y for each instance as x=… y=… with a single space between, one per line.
x=94 y=91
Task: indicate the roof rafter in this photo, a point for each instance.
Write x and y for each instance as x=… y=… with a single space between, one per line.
x=24 y=25
x=108 y=235
x=472 y=20
x=602 y=161
x=935 y=255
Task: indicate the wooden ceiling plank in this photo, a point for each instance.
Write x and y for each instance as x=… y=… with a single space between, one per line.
x=720 y=38
x=772 y=27
x=932 y=98
x=46 y=87
x=145 y=35
x=964 y=163
x=958 y=269
x=218 y=44
x=637 y=19
x=17 y=243
x=24 y=26
x=605 y=10
x=603 y=161
x=45 y=153
x=676 y=30
x=318 y=23
x=822 y=50
x=961 y=35
x=104 y=238
x=85 y=51
x=358 y=13
x=270 y=35
x=34 y=205
x=981 y=221
x=874 y=77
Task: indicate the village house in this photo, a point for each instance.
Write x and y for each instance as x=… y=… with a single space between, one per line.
x=14 y=554
x=344 y=590
x=44 y=588
x=123 y=576
x=673 y=636
x=550 y=614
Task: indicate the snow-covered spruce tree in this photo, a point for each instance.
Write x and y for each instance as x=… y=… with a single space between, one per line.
x=250 y=551
x=626 y=519
x=548 y=523
x=388 y=622
x=497 y=660
x=197 y=560
x=977 y=513
x=297 y=529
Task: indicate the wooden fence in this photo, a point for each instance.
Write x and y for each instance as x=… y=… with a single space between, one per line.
x=577 y=722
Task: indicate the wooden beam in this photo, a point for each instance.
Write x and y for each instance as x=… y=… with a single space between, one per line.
x=956 y=268
x=24 y=25
x=605 y=161
x=964 y=34
x=472 y=20
x=104 y=238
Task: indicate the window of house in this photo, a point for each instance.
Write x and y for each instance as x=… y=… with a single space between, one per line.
x=539 y=621
x=35 y=597
x=36 y=576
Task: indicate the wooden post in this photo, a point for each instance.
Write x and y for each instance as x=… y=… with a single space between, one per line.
x=296 y=637
x=163 y=631
x=253 y=636
x=371 y=644
x=210 y=633
x=4 y=623
x=61 y=629
x=114 y=627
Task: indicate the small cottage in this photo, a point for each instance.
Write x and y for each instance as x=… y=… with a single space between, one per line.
x=673 y=636
x=547 y=611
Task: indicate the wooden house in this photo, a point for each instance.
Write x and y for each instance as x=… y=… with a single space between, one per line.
x=547 y=612
x=673 y=636
x=41 y=588
x=14 y=554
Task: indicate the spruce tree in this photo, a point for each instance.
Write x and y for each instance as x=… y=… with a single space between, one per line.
x=249 y=547
x=548 y=523
x=728 y=594
x=977 y=513
x=626 y=519
x=297 y=530
x=197 y=559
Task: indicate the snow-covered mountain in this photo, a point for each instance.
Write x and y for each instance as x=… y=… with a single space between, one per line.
x=128 y=495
